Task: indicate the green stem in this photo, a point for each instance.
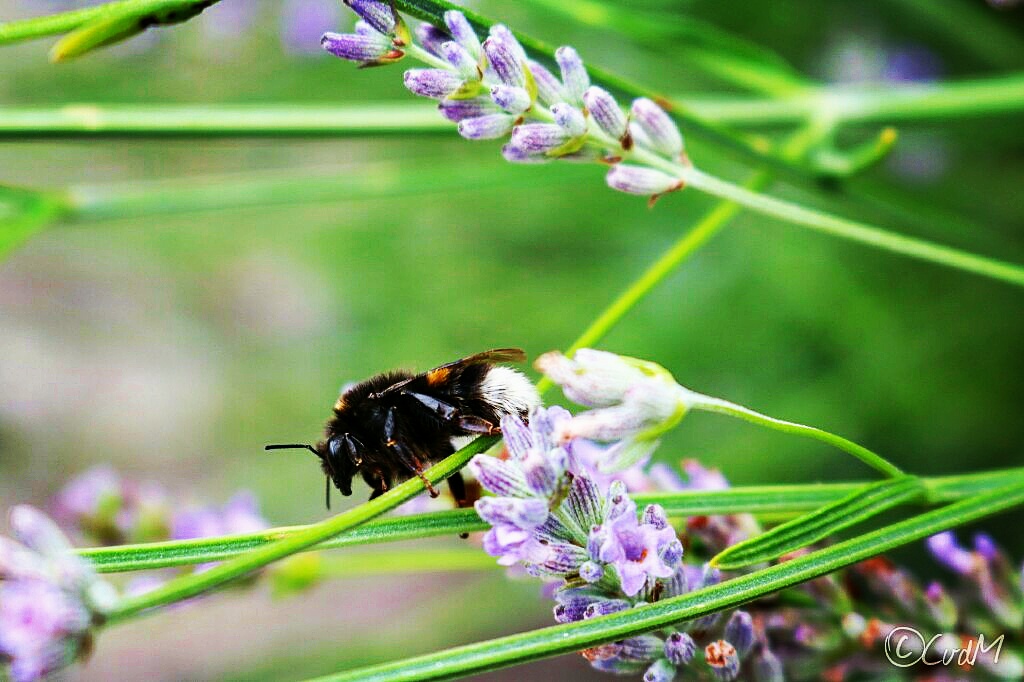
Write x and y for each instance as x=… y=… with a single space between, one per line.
x=699 y=401
x=182 y=120
x=399 y=563
x=908 y=103
x=773 y=500
x=853 y=230
x=197 y=583
x=562 y=639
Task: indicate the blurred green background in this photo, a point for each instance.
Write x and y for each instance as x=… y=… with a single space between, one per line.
x=175 y=345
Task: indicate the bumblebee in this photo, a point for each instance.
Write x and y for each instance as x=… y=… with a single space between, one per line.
x=395 y=425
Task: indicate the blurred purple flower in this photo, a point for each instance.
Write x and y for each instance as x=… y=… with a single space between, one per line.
x=303 y=22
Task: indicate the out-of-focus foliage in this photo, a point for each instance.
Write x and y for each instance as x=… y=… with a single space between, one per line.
x=177 y=345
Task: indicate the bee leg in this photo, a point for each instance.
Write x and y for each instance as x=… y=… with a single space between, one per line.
x=404 y=456
x=471 y=424
x=457 y=485
x=379 y=485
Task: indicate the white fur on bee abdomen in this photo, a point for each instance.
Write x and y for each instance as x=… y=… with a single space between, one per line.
x=509 y=391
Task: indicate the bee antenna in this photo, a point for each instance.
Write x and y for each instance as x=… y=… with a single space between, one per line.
x=292 y=446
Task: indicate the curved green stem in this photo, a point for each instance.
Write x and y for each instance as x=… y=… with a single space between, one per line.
x=699 y=401
x=853 y=230
x=768 y=500
x=197 y=583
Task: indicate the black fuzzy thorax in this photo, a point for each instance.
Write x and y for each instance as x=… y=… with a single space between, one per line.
x=418 y=433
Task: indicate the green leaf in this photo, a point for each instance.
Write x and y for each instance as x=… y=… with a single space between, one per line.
x=563 y=639
x=124 y=22
x=23 y=213
x=805 y=531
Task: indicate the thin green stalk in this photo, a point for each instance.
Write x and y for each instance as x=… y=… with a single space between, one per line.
x=773 y=500
x=562 y=639
x=435 y=560
x=197 y=583
x=706 y=403
x=237 y=120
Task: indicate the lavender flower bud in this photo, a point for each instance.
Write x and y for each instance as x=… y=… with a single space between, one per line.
x=431 y=38
x=460 y=59
x=516 y=154
x=538 y=137
x=502 y=33
x=605 y=607
x=606 y=112
x=549 y=88
x=364 y=29
x=572 y=602
x=949 y=553
x=434 y=83
x=940 y=606
x=680 y=648
x=986 y=546
x=557 y=559
x=575 y=79
x=525 y=514
x=661 y=133
x=505 y=62
x=740 y=632
x=462 y=32
x=723 y=659
x=640 y=180
x=511 y=99
x=459 y=109
x=570 y=118
x=767 y=667
x=499 y=477
x=660 y=671
x=37 y=532
x=642 y=648
x=583 y=504
x=654 y=514
x=597 y=537
x=671 y=553
x=591 y=572
x=359 y=47
x=376 y=14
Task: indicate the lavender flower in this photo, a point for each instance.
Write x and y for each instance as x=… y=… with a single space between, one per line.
x=49 y=598
x=638 y=552
x=462 y=68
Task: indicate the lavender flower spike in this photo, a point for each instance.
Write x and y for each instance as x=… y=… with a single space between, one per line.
x=361 y=47
x=640 y=180
x=606 y=113
x=433 y=83
x=376 y=14
x=662 y=134
x=574 y=75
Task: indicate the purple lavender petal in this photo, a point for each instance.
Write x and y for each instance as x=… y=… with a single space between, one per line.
x=356 y=47
x=40 y=628
x=640 y=180
x=498 y=476
x=654 y=514
x=506 y=64
x=660 y=131
x=575 y=79
x=680 y=648
x=433 y=83
x=487 y=127
x=549 y=88
x=605 y=111
x=462 y=32
x=376 y=14
x=948 y=552
x=539 y=137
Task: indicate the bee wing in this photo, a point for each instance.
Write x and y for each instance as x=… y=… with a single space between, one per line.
x=438 y=375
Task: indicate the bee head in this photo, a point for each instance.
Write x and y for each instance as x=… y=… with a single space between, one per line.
x=338 y=458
